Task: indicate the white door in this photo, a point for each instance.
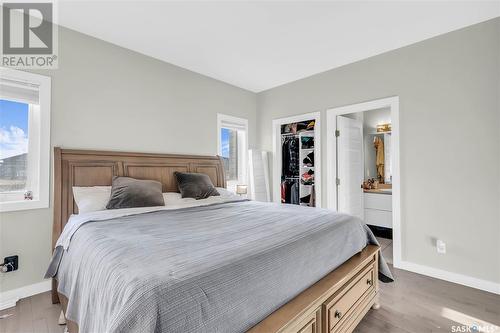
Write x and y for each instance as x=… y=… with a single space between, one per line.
x=350 y=163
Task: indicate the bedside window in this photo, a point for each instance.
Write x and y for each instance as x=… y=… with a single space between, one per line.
x=24 y=140
x=14 y=118
x=233 y=147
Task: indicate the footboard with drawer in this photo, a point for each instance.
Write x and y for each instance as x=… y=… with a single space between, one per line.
x=335 y=304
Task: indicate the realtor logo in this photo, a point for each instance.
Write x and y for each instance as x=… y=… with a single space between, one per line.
x=28 y=36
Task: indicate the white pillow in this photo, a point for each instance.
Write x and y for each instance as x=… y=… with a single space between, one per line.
x=171 y=197
x=91 y=198
x=175 y=200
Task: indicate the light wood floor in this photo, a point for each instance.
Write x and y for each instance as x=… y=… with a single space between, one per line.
x=35 y=314
x=413 y=304
x=417 y=304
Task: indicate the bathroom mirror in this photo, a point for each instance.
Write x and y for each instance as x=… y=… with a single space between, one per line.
x=378 y=157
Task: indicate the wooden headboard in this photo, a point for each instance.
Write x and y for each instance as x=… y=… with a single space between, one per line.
x=97 y=168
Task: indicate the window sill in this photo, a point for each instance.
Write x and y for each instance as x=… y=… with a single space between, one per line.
x=11 y=206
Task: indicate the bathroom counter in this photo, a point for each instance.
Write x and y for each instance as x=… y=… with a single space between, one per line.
x=379 y=191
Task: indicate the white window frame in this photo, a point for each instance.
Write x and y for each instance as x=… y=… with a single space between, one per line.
x=242 y=145
x=38 y=173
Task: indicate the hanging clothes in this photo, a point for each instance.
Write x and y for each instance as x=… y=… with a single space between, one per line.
x=312 y=201
x=293 y=162
x=290 y=157
x=283 y=192
x=380 y=159
x=290 y=191
x=285 y=156
x=294 y=193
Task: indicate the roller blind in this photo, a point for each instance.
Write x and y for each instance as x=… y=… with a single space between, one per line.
x=19 y=91
x=232 y=125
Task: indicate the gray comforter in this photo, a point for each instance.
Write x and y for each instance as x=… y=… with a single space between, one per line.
x=217 y=268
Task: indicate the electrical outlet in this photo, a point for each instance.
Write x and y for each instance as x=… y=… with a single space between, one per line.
x=10 y=264
x=441 y=246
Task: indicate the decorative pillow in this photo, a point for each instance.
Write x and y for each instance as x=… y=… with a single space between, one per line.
x=128 y=192
x=195 y=185
x=91 y=198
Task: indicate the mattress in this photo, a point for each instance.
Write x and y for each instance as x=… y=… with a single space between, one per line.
x=221 y=267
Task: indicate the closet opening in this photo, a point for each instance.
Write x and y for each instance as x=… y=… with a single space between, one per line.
x=297 y=160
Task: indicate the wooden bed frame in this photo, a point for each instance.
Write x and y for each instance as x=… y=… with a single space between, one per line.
x=336 y=303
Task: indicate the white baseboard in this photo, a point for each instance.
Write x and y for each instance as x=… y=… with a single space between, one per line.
x=465 y=280
x=9 y=298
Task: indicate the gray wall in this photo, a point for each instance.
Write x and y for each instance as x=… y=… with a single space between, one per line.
x=450 y=124
x=107 y=97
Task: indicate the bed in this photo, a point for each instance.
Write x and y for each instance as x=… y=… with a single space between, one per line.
x=225 y=265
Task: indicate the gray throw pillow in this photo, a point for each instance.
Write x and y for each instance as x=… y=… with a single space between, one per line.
x=129 y=192
x=195 y=185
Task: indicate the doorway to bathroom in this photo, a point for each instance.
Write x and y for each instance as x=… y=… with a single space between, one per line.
x=363 y=168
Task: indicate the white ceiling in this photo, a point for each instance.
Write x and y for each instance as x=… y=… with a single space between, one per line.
x=259 y=45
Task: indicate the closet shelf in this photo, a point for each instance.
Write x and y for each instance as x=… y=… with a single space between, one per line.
x=304 y=133
x=307 y=133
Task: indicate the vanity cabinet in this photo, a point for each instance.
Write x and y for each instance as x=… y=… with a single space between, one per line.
x=378 y=209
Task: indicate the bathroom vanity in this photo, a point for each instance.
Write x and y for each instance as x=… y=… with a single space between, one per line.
x=378 y=207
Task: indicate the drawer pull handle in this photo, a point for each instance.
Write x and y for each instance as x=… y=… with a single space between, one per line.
x=338 y=314
x=369 y=282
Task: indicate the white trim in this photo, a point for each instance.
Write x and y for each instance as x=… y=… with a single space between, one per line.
x=465 y=280
x=39 y=140
x=331 y=165
x=9 y=298
x=277 y=152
